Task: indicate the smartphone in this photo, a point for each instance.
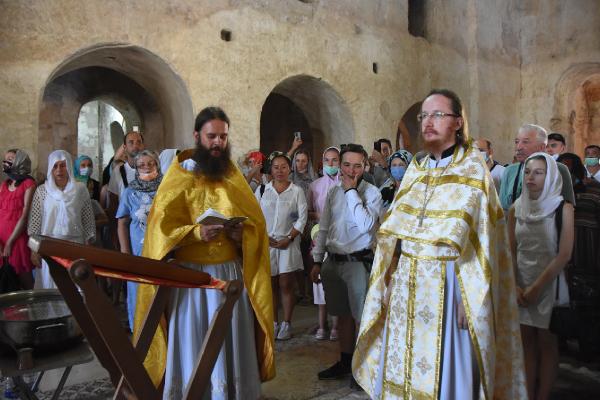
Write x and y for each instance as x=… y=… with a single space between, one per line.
x=298 y=135
x=377 y=146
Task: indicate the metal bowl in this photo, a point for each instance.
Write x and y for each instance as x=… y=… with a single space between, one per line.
x=38 y=319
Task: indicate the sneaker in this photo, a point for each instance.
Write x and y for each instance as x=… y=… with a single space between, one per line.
x=321 y=334
x=333 y=335
x=275 y=329
x=284 y=331
x=336 y=371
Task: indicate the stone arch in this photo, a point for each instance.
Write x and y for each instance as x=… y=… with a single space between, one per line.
x=307 y=104
x=576 y=110
x=408 y=135
x=119 y=74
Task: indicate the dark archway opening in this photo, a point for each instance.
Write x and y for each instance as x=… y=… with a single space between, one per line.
x=142 y=86
x=309 y=105
x=408 y=135
x=279 y=119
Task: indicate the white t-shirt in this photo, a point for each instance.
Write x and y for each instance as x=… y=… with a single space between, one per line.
x=116 y=185
x=596 y=176
x=497 y=172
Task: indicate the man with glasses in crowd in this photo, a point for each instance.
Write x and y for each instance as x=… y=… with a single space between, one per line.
x=440 y=319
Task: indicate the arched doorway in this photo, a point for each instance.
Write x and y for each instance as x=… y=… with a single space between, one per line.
x=133 y=80
x=408 y=135
x=309 y=105
x=101 y=126
x=577 y=106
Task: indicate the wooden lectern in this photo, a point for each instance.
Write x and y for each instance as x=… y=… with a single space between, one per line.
x=74 y=264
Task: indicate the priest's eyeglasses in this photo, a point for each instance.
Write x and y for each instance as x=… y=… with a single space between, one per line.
x=436 y=115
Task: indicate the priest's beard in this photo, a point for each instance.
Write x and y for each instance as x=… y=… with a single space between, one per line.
x=213 y=167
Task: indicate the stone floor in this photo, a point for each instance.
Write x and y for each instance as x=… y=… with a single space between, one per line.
x=299 y=359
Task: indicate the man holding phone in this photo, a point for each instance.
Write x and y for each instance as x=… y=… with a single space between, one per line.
x=347 y=234
x=123 y=163
x=382 y=150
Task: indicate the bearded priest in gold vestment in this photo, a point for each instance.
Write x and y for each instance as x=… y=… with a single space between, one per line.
x=440 y=319
x=198 y=180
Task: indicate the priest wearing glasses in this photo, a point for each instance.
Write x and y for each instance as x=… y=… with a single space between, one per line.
x=440 y=318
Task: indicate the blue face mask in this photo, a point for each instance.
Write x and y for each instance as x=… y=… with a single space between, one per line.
x=398 y=172
x=485 y=155
x=330 y=170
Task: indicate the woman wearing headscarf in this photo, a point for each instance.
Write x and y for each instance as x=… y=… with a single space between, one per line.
x=317 y=194
x=540 y=252
x=82 y=169
x=61 y=209
x=16 y=194
x=303 y=175
x=398 y=163
x=132 y=214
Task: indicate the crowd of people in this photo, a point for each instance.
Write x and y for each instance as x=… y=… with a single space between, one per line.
x=437 y=273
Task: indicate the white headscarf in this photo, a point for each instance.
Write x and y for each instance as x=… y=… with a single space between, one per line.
x=61 y=215
x=530 y=210
x=309 y=174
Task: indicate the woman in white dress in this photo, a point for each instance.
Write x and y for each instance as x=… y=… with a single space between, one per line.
x=62 y=209
x=540 y=252
x=284 y=206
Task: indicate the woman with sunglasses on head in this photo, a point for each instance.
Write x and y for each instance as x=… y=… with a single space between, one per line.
x=16 y=194
x=285 y=210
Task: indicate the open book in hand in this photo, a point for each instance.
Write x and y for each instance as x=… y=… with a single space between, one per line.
x=212 y=217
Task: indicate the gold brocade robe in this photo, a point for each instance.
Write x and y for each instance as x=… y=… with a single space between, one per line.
x=181 y=197
x=463 y=222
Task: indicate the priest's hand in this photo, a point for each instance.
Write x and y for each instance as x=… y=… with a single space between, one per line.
x=210 y=232
x=461 y=316
x=235 y=232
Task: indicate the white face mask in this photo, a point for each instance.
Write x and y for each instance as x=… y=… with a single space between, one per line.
x=85 y=171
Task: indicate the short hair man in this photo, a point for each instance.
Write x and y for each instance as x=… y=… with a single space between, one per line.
x=556 y=145
x=496 y=169
x=347 y=233
x=442 y=290
x=592 y=162
x=530 y=138
x=379 y=159
x=205 y=178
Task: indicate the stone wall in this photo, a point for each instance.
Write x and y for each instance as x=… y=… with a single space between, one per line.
x=320 y=54
x=560 y=43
